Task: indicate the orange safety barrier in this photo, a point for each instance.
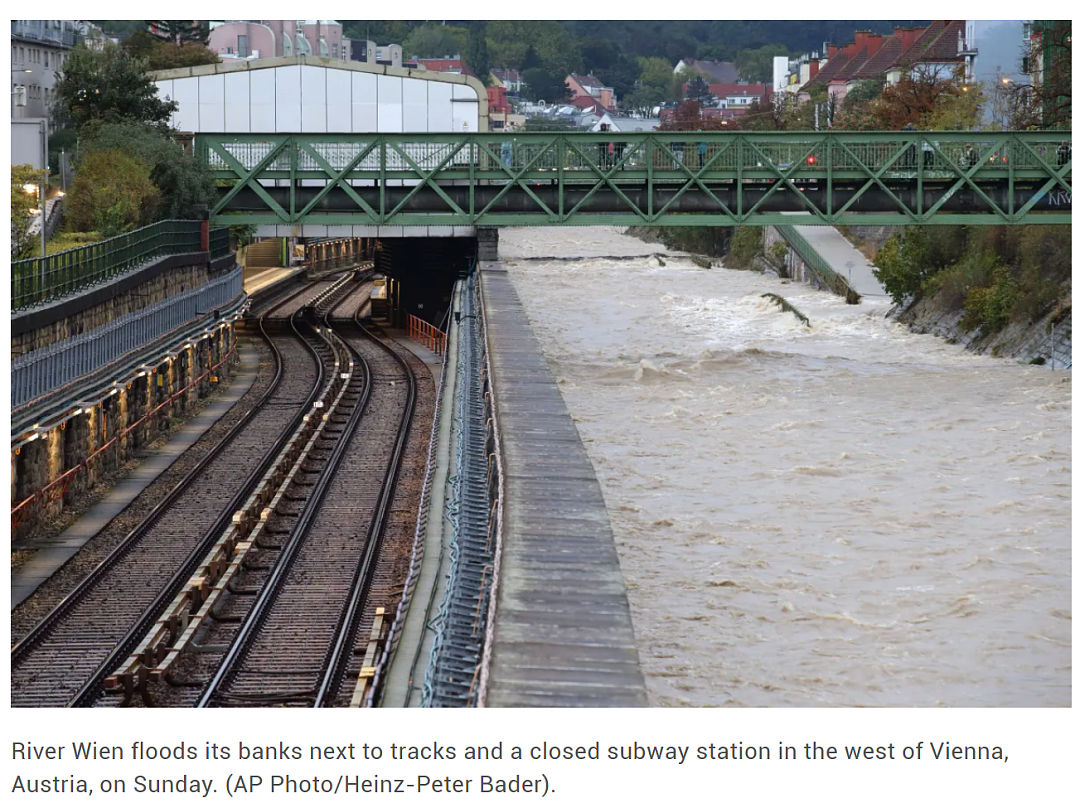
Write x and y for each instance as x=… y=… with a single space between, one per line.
x=424 y=333
x=58 y=487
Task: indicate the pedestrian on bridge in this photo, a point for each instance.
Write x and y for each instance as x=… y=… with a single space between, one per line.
x=508 y=149
x=1064 y=153
x=702 y=149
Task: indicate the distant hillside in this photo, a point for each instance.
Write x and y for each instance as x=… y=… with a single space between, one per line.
x=676 y=39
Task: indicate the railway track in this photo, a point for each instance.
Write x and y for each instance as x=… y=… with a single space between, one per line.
x=296 y=642
x=64 y=658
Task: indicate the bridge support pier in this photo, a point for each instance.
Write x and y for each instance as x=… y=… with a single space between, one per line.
x=487 y=244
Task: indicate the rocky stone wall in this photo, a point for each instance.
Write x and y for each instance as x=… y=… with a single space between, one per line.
x=38 y=465
x=167 y=284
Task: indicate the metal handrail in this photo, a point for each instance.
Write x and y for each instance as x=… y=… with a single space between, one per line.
x=427 y=335
x=44 y=279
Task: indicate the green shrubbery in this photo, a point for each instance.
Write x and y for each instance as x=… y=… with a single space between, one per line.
x=745 y=246
x=997 y=275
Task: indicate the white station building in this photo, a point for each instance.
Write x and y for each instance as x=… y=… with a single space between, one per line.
x=306 y=94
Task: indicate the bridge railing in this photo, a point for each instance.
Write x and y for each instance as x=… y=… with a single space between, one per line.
x=812 y=151
x=65 y=273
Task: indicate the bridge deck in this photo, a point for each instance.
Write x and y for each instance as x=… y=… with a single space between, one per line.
x=563 y=635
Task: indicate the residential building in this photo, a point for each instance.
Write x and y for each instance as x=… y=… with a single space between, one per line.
x=39 y=49
x=588 y=105
x=510 y=80
x=724 y=72
x=501 y=114
x=945 y=47
x=740 y=95
x=450 y=64
x=589 y=87
x=627 y=124
x=271 y=38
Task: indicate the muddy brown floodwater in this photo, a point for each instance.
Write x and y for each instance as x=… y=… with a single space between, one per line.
x=842 y=515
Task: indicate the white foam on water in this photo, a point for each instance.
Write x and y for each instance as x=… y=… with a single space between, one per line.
x=841 y=514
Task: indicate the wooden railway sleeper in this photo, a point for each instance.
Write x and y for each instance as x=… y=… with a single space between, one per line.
x=153 y=659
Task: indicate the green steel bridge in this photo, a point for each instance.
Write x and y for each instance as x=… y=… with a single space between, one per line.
x=670 y=179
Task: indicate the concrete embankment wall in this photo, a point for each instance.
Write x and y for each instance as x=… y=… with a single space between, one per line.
x=41 y=327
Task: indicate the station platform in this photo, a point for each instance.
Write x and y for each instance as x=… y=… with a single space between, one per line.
x=258 y=279
x=563 y=634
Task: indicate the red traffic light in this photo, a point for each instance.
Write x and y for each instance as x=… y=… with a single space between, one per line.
x=811 y=159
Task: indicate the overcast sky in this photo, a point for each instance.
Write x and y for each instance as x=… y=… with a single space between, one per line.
x=999 y=43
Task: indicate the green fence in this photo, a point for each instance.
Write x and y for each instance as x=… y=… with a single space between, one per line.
x=817 y=264
x=41 y=280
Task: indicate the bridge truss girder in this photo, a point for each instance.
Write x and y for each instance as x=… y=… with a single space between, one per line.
x=671 y=178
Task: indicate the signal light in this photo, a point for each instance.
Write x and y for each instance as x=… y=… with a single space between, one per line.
x=810 y=160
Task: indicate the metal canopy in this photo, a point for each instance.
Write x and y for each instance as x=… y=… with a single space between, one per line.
x=670 y=178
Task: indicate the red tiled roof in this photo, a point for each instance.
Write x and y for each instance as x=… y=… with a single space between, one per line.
x=877 y=65
x=826 y=73
x=727 y=90
x=507 y=75
x=446 y=65
x=587 y=80
x=937 y=43
x=584 y=102
x=946 y=46
x=851 y=68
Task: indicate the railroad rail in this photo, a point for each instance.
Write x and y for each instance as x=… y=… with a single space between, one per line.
x=295 y=644
x=63 y=660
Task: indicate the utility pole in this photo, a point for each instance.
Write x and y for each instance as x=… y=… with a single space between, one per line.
x=44 y=184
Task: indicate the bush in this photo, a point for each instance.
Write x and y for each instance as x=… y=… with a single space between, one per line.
x=112 y=194
x=991 y=307
x=951 y=286
x=745 y=246
x=185 y=184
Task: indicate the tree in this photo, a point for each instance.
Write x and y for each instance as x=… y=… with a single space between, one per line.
x=109 y=85
x=180 y=32
x=379 y=31
x=1051 y=72
x=432 y=41
x=688 y=117
x=510 y=42
x=756 y=65
x=542 y=84
x=112 y=194
x=961 y=111
x=697 y=88
x=914 y=98
x=184 y=183
x=476 y=52
x=25 y=197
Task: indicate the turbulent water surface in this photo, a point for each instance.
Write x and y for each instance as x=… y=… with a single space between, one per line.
x=845 y=514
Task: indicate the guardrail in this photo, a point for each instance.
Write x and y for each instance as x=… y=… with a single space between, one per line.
x=817 y=264
x=427 y=335
x=44 y=279
x=42 y=371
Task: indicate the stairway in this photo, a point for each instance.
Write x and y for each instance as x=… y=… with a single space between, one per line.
x=264 y=254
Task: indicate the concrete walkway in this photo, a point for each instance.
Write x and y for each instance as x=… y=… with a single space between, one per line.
x=844 y=258
x=409 y=664
x=54 y=552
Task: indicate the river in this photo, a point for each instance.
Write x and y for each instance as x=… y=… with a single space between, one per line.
x=846 y=514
